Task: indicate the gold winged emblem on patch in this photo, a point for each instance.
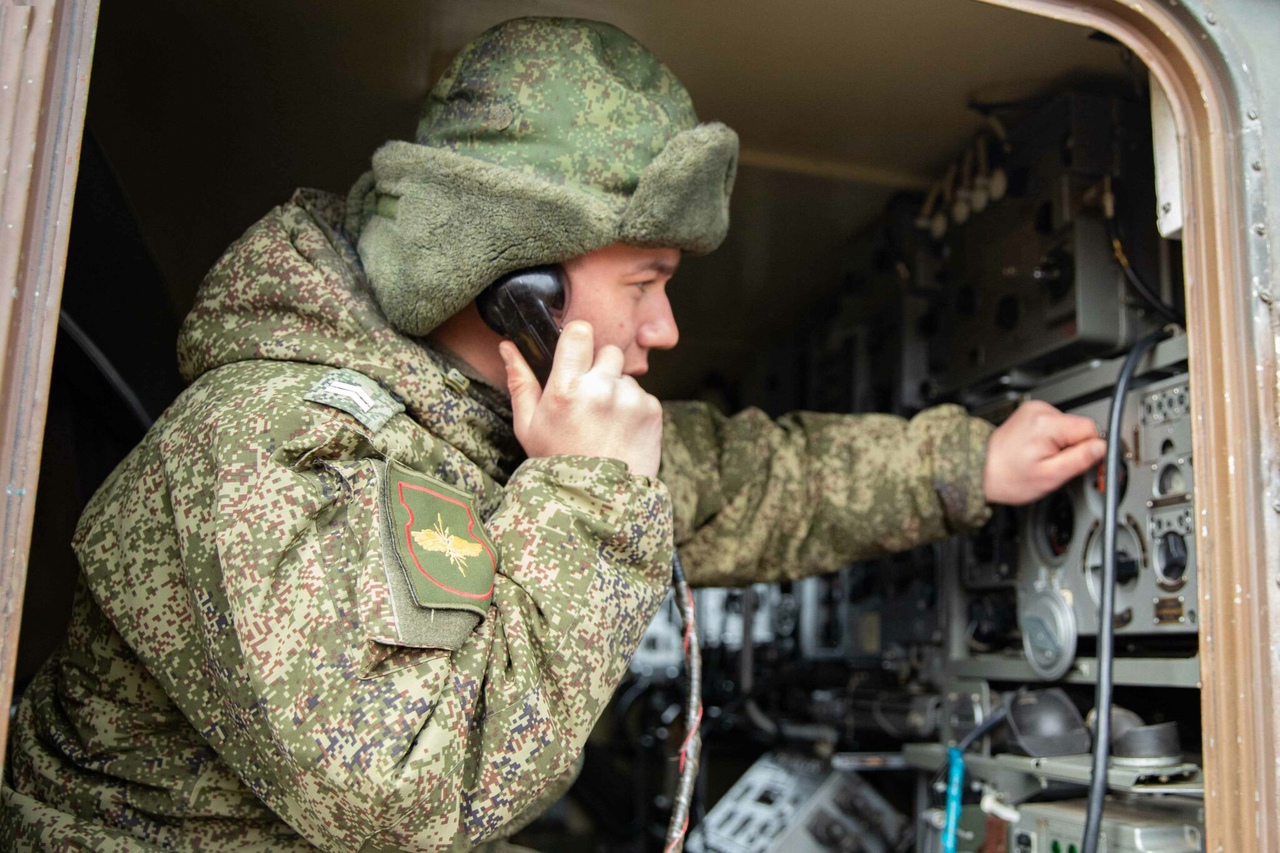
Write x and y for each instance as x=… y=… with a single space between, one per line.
x=442 y=540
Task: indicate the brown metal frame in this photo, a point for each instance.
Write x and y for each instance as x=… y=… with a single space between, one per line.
x=1233 y=373
x=45 y=53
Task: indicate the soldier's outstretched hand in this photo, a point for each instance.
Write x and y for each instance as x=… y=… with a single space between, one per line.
x=589 y=407
x=1037 y=450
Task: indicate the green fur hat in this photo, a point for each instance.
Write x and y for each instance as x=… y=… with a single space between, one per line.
x=545 y=139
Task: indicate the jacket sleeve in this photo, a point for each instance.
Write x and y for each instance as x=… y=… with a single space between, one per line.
x=278 y=649
x=763 y=500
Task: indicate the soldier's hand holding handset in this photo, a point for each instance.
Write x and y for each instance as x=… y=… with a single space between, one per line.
x=1037 y=450
x=589 y=407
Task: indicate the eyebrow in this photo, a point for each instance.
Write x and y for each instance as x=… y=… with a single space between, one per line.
x=663 y=267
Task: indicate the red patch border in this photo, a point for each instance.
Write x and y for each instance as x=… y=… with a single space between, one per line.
x=471 y=524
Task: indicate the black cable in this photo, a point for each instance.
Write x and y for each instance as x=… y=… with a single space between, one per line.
x=998 y=716
x=955 y=776
x=1131 y=275
x=107 y=369
x=1106 y=609
x=1136 y=281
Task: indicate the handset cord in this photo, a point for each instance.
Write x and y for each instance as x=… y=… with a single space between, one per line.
x=1106 y=608
x=689 y=749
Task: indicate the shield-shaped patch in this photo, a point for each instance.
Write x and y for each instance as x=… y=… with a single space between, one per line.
x=439 y=542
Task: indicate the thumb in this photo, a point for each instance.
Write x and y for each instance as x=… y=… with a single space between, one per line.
x=1074 y=460
x=522 y=385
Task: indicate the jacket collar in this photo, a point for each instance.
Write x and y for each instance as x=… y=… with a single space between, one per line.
x=292 y=289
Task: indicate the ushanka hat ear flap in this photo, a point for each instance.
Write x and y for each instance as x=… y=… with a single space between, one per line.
x=444 y=226
x=682 y=197
x=436 y=227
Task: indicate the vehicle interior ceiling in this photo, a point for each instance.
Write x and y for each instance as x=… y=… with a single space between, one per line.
x=860 y=124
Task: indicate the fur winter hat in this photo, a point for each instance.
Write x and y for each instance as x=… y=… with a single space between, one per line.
x=546 y=138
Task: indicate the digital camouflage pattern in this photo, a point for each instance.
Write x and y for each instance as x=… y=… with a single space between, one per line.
x=762 y=500
x=240 y=655
x=240 y=673
x=530 y=96
x=544 y=139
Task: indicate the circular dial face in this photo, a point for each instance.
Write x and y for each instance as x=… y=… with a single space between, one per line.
x=1130 y=556
x=1048 y=634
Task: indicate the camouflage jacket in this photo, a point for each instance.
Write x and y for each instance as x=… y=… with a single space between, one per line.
x=340 y=610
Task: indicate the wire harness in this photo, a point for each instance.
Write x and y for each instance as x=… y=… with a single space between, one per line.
x=692 y=744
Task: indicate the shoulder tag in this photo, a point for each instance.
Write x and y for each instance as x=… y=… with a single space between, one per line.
x=357 y=395
x=438 y=542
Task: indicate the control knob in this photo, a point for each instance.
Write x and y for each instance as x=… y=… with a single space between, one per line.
x=1173 y=556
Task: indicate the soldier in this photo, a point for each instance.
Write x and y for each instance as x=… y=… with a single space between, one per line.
x=367 y=585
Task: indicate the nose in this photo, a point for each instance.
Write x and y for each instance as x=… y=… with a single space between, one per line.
x=658 y=329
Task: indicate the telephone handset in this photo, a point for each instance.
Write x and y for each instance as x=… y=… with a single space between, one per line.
x=524 y=306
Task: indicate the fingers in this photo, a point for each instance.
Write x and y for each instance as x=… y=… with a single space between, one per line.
x=1070 y=430
x=609 y=362
x=574 y=354
x=1073 y=461
x=522 y=385
x=589 y=406
x=1037 y=450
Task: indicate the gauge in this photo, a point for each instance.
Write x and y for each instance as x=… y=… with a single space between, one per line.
x=1049 y=634
x=1171 y=481
x=1130 y=559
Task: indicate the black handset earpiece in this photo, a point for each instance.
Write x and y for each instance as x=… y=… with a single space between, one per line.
x=523 y=306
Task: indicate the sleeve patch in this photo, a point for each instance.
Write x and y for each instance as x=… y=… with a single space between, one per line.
x=358 y=396
x=437 y=542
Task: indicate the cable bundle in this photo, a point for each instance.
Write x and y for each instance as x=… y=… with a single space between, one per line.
x=692 y=744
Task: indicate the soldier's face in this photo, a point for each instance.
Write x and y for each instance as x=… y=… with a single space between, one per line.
x=622 y=291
